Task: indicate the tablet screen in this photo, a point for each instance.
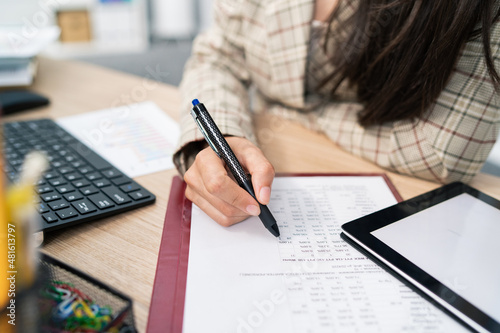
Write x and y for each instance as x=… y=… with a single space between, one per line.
x=456 y=242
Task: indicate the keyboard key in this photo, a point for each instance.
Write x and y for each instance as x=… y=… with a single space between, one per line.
x=81 y=183
x=73 y=176
x=129 y=187
x=32 y=125
x=50 y=217
x=67 y=213
x=44 y=189
x=11 y=156
x=12 y=176
x=58 y=204
x=58 y=164
x=70 y=158
x=84 y=206
x=65 y=170
x=111 y=173
x=16 y=162
x=77 y=164
x=50 y=197
x=63 y=152
x=88 y=190
x=93 y=176
x=51 y=174
x=65 y=189
x=73 y=196
x=66 y=138
x=85 y=169
x=101 y=201
x=43 y=208
x=57 y=181
x=120 y=180
x=116 y=195
x=138 y=195
x=96 y=161
x=102 y=183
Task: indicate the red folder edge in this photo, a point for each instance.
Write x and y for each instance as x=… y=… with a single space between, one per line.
x=166 y=311
x=167 y=301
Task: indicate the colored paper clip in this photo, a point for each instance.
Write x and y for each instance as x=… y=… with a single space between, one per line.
x=71 y=288
x=64 y=309
x=55 y=293
x=96 y=309
x=105 y=311
x=81 y=309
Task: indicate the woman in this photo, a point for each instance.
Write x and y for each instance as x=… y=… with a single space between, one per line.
x=410 y=85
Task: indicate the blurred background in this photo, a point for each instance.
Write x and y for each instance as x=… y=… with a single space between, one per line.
x=127 y=35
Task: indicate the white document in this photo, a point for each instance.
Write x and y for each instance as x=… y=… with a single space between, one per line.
x=138 y=139
x=242 y=279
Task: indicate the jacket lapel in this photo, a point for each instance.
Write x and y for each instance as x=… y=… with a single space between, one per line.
x=288 y=27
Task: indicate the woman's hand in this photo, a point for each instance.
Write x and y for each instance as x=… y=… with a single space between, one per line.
x=211 y=187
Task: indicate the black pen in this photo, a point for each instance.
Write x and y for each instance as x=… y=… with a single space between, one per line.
x=219 y=144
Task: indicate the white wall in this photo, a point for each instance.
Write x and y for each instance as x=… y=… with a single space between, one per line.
x=26 y=12
x=205 y=10
x=169 y=18
x=116 y=27
x=180 y=19
x=173 y=18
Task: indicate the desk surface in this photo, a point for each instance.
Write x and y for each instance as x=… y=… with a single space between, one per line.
x=122 y=250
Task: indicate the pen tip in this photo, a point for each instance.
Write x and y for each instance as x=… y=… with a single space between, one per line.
x=274 y=230
x=195 y=102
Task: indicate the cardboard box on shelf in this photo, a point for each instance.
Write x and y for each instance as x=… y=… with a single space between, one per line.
x=75 y=25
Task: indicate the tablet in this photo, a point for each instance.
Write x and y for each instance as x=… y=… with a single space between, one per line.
x=445 y=244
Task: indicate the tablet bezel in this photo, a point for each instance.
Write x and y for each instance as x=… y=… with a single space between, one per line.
x=358 y=233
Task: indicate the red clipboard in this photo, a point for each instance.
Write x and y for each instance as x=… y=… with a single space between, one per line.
x=166 y=311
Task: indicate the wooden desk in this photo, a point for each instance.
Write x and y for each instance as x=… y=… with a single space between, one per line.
x=122 y=250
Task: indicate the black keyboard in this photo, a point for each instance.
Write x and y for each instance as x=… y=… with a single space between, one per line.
x=80 y=185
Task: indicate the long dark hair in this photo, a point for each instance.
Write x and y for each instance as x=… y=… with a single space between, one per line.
x=401 y=53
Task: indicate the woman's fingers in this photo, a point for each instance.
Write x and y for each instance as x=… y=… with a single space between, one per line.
x=262 y=171
x=212 y=189
x=214 y=213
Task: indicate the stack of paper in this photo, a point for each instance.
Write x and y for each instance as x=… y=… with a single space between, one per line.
x=18 y=49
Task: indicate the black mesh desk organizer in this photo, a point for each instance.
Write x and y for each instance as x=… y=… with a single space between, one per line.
x=35 y=314
x=80 y=185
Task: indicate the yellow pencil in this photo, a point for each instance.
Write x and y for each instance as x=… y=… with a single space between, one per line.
x=22 y=219
x=4 y=286
x=5 y=326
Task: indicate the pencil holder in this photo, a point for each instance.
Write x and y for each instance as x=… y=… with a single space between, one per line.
x=71 y=301
x=21 y=312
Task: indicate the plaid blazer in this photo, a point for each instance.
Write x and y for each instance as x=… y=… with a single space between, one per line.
x=253 y=60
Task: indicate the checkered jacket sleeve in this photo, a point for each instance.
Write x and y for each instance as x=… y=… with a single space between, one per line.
x=217 y=75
